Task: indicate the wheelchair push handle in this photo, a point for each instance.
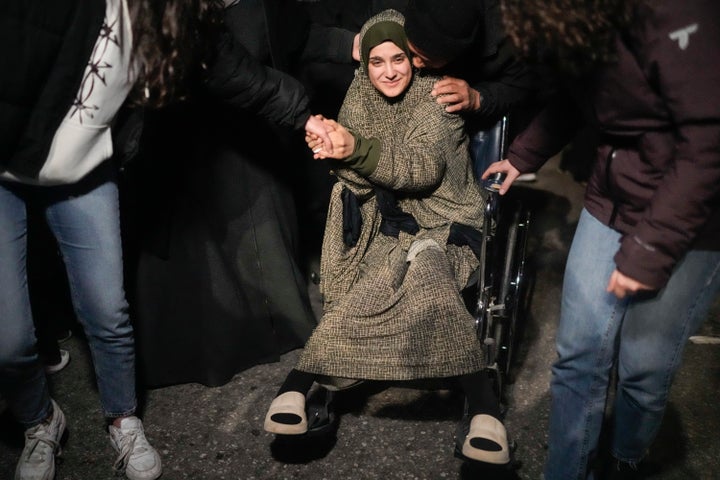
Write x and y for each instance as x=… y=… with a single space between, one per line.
x=493 y=182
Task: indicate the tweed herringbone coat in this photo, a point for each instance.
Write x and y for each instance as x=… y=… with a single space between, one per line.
x=392 y=306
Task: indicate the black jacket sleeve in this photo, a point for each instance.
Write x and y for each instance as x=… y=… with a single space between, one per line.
x=237 y=79
x=505 y=84
x=494 y=68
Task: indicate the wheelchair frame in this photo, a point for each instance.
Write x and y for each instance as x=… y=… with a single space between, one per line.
x=500 y=285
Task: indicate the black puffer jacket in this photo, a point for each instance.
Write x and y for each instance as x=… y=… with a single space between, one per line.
x=657 y=173
x=238 y=80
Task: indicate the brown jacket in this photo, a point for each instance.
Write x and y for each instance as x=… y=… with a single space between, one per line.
x=656 y=177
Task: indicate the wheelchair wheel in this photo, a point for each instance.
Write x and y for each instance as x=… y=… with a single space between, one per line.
x=512 y=286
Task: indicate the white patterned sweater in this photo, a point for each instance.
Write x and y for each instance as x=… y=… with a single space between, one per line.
x=83 y=141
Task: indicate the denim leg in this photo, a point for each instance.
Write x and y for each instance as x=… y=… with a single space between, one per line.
x=485 y=148
x=22 y=378
x=479 y=152
x=653 y=337
x=86 y=224
x=589 y=323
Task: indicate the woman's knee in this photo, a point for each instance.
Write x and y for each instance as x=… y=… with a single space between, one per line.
x=17 y=350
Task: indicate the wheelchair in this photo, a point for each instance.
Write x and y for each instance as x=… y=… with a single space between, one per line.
x=498 y=296
x=493 y=295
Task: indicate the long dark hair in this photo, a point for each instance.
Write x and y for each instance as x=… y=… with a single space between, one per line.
x=570 y=35
x=171 y=41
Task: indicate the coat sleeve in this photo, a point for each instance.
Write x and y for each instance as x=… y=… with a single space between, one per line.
x=416 y=161
x=240 y=81
x=507 y=84
x=329 y=44
x=546 y=134
x=683 y=73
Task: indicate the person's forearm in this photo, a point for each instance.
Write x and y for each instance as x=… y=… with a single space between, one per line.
x=508 y=83
x=552 y=129
x=238 y=80
x=328 y=44
x=365 y=157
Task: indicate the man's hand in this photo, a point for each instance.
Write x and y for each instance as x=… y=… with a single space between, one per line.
x=503 y=166
x=356 y=48
x=457 y=95
x=622 y=285
x=316 y=126
x=343 y=142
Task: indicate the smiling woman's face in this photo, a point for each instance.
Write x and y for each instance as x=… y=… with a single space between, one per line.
x=389 y=69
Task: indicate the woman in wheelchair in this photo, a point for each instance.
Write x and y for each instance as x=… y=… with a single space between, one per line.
x=404 y=217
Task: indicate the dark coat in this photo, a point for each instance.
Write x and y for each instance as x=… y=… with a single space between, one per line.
x=218 y=285
x=656 y=177
x=238 y=80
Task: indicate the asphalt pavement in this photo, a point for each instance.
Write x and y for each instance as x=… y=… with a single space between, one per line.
x=385 y=431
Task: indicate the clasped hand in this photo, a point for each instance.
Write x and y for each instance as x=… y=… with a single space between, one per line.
x=338 y=144
x=320 y=131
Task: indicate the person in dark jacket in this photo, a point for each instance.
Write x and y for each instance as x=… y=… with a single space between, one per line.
x=483 y=77
x=219 y=286
x=59 y=97
x=644 y=267
x=465 y=41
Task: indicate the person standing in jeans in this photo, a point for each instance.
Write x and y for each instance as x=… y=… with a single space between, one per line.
x=644 y=266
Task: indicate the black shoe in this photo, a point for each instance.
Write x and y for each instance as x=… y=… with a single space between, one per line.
x=321 y=413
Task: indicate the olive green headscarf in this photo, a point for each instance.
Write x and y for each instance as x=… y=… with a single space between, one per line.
x=382 y=32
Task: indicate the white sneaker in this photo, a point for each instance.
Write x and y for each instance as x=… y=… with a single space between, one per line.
x=64 y=360
x=137 y=458
x=42 y=444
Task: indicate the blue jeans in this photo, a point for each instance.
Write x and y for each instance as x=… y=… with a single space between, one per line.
x=644 y=336
x=85 y=221
x=484 y=149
